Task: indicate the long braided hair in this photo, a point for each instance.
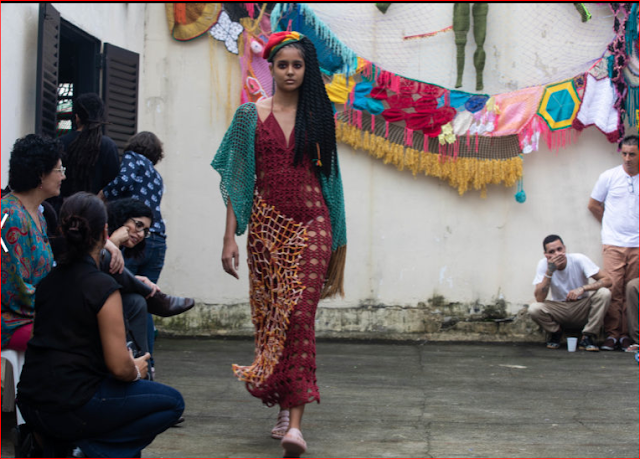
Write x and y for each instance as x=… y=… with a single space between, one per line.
x=315 y=129
x=83 y=152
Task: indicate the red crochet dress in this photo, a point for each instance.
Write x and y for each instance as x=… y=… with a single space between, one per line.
x=289 y=247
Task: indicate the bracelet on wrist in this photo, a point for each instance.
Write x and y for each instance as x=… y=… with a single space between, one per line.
x=547 y=276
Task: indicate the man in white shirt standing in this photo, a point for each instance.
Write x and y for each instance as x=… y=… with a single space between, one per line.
x=571 y=306
x=614 y=202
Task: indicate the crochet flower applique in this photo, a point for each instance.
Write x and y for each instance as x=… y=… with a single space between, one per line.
x=227 y=31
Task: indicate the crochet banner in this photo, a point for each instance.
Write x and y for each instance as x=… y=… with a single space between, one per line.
x=469 y=139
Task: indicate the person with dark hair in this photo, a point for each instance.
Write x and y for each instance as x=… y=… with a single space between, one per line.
x=35 y=174
x=614 y=203
x=567 y=275
x=139 y=179
x=130 y=222
x=80 y=384
x=280 y=178
x=91 y=157
x=129 y=225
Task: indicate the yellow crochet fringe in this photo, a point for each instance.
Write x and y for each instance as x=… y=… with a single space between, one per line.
x=461 y=173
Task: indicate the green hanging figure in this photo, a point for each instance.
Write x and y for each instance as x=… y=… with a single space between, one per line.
x=461 y=23
x=383 y=7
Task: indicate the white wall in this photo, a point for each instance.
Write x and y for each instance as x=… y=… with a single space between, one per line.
x=121 y=24
x=408 y=238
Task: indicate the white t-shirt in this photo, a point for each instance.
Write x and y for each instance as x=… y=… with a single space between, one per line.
x=620 y=223
x=576 y=274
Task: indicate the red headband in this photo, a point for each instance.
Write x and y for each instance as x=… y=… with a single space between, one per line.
x=278 y=40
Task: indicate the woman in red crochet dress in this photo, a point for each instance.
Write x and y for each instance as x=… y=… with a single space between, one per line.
x=280 y=178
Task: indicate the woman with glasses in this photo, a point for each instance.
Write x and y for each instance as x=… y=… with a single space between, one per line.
x=139 y=179
x=35 y=174
x=130 y=221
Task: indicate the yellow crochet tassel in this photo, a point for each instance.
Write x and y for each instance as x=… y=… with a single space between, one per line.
x=460 y=173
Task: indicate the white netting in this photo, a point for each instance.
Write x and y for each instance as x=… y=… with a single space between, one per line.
x=527 y=44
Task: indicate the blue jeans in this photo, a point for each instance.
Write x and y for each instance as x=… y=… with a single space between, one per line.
x=150 y=264
x=134 y=307
x=120 y=420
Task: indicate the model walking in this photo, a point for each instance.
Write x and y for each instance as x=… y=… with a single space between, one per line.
x=281 y=178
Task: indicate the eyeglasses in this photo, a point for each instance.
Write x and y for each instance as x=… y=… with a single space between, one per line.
x=61 y=169
x=630 y=183
x=140 y=227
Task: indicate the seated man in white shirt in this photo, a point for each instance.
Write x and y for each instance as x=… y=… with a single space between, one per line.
x=571 y=307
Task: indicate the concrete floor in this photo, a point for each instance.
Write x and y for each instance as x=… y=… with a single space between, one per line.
x=408 y=401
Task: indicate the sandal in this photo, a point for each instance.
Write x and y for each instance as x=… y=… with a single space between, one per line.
x=293 y=443
x=632 y=348
x=282 y=425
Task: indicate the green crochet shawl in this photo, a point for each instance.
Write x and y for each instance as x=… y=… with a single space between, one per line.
x=235 y=161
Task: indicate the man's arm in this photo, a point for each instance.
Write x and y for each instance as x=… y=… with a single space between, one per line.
x=596 y=208
x=601 y=280
x=542 y=289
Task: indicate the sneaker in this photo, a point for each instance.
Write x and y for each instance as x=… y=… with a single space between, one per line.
x=554 y=340
x=609 y=344
x=587 y=344
x=625 y=342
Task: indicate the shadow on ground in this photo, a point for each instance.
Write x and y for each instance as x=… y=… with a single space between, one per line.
x=407 y=401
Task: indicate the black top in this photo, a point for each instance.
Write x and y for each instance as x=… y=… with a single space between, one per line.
x=64 y=363
x=105 y=170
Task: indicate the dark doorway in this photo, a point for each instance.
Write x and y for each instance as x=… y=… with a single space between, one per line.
x=79 y=71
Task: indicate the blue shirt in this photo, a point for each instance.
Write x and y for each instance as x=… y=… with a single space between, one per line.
x=138 y=179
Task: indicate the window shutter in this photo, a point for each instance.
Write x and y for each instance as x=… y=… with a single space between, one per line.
x=47 y=70
x=120 y=93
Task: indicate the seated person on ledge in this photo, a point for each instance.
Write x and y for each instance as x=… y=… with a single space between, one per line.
x=571 y=307
x=129 y=223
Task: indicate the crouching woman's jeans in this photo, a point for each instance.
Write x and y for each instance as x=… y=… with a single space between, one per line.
x=120 y=420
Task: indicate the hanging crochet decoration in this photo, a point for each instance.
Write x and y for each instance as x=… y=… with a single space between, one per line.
x=227 y=31
x=187 y=21
x=470 y=140
x=559 y=105
x=461 y=22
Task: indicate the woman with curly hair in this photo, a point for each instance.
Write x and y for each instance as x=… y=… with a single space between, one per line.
x=35 y=174
x=130 y=222
x=280 y=178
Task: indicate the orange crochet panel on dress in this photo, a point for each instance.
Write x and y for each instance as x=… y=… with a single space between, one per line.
x=275 y=247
